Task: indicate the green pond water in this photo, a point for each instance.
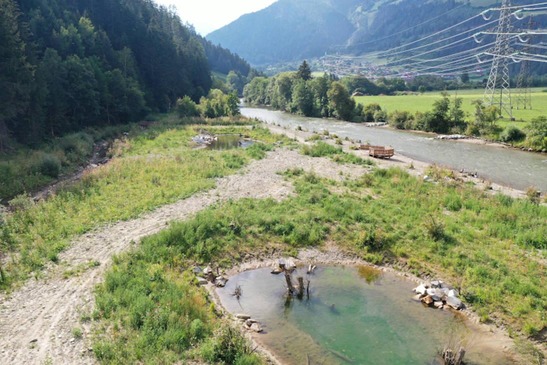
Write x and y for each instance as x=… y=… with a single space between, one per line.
x=229 y=141
x=349 y=320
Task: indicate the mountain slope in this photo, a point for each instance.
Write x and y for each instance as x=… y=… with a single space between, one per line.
x=286 y=30
x=290 y=30
x=70 y=64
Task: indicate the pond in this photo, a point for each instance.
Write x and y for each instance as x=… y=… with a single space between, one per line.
x=229 y=141
x=351 y=318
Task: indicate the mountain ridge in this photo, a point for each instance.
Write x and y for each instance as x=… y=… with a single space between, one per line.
x=291 y=30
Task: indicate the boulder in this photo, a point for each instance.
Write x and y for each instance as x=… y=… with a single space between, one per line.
x=220 y=281
x=454 y=302
x=256 y=327
x=201 y=281
x=243 y=316
x=427 y=300
x=250 y=322
x=453 y=293
x=420 y=289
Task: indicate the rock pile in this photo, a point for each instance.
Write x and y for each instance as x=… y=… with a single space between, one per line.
x=250 y=323
x=439 y=295
x=207 y=275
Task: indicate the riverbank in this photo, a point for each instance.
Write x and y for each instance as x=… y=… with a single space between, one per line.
x=412 y=166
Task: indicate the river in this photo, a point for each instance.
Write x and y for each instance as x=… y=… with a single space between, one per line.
x=503 y=166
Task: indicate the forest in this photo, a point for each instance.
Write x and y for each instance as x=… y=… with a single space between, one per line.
x=66 y=65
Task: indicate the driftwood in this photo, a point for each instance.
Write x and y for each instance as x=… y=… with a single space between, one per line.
x=453 y=358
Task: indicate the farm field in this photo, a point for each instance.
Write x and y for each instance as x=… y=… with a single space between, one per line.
x=424 y=102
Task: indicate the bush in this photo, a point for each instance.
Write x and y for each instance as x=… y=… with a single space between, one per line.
x=512 y=134
x=400 y=120
x=187 y=108
x=47 y=165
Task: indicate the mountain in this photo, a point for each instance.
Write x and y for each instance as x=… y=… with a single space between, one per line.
x=287 y=30
x=292 y=30
x=70 y=64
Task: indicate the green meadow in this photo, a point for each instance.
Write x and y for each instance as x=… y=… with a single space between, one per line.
x=424 y=102
x=490 y=247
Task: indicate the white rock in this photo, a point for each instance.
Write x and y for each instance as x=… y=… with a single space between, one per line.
x=420 y=289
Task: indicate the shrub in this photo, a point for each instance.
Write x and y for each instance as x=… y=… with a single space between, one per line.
x=434 y=228
x=512 y=134
x=21 y=202
x=47 y=165
x=400 y=120
x=187 y=108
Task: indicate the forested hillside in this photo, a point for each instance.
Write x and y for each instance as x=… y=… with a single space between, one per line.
x=70 y=64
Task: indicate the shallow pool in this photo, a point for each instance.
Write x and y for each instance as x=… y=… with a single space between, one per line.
x=351 y=320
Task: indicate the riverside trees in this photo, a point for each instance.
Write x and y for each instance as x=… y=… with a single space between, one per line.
x=298 y=93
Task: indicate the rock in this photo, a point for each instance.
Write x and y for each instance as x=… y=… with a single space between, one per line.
x=438 y=304
x=243 y=316
x=250 y=322
x=417 y=297
x=454 y=302
x=197 y=270
x=420 y=289
x=276 y=271
x=207 y=270
x=436 y=284
x=256 y=327
x=34 y=340
x=201 y=281
x=427 y=300
x=220 y=281
x=453 y=293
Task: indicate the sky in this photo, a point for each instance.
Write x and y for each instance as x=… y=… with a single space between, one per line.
x=209 y=15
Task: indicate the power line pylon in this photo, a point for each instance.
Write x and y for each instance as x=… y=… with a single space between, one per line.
x=498 y=89
x=524 y=98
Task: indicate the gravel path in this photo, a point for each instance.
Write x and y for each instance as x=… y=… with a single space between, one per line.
x=37 y=321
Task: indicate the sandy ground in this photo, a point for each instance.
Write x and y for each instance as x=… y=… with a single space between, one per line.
x=37 y=321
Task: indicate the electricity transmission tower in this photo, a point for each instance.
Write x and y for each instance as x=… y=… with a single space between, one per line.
x=498 y=89
x=524 y=98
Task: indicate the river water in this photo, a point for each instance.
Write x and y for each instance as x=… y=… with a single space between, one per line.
x=350 y=319
x=503 y=166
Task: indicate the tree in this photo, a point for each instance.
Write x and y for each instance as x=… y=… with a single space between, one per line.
x=537 y=133
x=464 y=77
x=187 y=108
x=341 y=102
x=302 y=98
x=15 y=73
x=485 y=119
x=369 y=111
x=304 y=71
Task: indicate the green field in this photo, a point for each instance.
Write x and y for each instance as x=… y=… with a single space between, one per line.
x=424 y=102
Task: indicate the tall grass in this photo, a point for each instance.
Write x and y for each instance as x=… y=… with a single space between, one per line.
x=156 y=166
x=491 y=248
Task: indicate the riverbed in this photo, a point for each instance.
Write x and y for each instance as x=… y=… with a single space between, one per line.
x=504 y=166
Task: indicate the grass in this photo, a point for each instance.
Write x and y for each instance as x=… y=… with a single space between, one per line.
x=153 y=167
x=424 y=102
x=490 y=247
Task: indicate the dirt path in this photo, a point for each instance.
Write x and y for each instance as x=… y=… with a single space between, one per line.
x=38 y=321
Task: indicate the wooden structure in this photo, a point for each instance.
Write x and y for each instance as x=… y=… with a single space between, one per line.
x=380 y=151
